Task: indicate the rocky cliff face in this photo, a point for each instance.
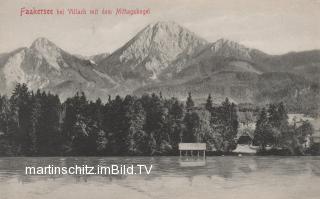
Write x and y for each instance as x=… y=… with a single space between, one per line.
x=227 y=48
x=151 y=52
x=46 y=66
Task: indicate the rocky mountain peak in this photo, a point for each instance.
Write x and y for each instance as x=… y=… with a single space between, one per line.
x=228 y=48
x=42 y=43
x=168 y=27
x=42 y=48
x=165 y=57
x=166 y=38
x=164 y=30
x=152 y=50
x=164 y=24
x=45 y=47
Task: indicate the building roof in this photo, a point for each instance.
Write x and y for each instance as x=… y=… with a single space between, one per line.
x=192 y=146
x=245 y=132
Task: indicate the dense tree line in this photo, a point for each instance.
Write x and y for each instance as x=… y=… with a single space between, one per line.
x=29 y=123
x=273 y=131
x=39 y=124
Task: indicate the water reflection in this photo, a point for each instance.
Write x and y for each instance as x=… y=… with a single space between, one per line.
x=221 y=175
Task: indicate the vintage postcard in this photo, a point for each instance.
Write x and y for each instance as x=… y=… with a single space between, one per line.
x=181 y=99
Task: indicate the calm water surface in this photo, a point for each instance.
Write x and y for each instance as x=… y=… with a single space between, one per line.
x=221 y=178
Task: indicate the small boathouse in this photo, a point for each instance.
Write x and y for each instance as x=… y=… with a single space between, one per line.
x=193 y=149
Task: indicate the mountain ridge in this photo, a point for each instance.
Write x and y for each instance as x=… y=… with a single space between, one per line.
x=151 y=51
x=163 y=56
x=46 y=66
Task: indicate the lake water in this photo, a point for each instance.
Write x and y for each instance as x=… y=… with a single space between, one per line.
x=221 y=178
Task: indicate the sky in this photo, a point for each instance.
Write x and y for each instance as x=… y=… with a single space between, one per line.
x=273 y=26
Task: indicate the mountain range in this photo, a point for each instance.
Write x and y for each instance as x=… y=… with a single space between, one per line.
x=168 y=58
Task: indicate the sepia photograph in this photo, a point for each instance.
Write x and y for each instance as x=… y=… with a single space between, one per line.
x=149 y=99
